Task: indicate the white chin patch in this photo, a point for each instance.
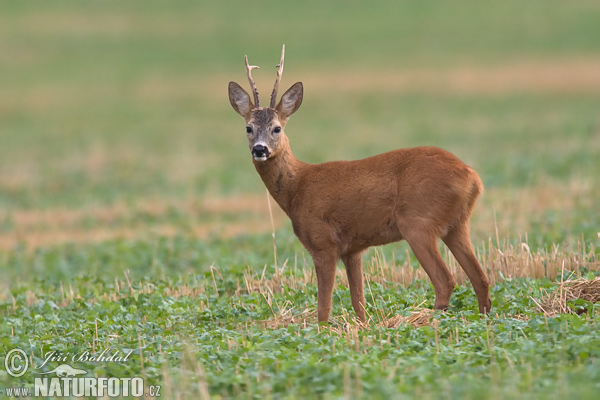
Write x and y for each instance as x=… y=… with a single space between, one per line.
x=263 y=158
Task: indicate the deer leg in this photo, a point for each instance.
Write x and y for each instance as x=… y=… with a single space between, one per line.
x=325 y=264
x=426 y=251
x=459 y=243
x=354 y=271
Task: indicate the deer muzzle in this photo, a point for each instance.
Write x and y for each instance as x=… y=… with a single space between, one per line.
x=260 y=152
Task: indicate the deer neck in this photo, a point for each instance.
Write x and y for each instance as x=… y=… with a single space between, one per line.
x=280 y=175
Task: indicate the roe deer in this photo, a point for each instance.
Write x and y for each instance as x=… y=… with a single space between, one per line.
x=338 y=209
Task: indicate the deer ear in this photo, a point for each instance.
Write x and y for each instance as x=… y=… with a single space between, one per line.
x=290 y=101
x=240 y=100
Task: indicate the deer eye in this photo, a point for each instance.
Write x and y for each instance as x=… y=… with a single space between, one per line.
x=277 y=129
x=248 y=130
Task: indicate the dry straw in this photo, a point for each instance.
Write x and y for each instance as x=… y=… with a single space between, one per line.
x=557 y=302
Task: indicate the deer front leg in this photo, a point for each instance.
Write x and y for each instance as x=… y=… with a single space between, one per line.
x=354 y=270
x=325 y=264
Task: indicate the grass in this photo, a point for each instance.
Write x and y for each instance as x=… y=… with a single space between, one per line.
x=131 y=218
x=239 y=330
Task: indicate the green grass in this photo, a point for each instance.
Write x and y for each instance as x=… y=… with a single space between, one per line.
x=188 y=322
x=119 y=149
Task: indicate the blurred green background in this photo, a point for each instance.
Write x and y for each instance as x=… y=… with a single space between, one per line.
x=105 y=102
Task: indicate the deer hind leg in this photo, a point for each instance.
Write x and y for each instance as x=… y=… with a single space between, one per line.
x=325 y=265
x=354 y=270
x=424 y=246
x=459 y=243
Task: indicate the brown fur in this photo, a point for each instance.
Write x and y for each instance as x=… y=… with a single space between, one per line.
x=339 y=209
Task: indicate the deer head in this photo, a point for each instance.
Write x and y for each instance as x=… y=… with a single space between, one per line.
x=264 y=126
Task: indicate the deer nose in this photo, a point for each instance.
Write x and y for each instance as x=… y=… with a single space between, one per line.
x=260 y=151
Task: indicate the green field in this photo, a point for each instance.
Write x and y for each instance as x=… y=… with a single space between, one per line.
x=131 y=217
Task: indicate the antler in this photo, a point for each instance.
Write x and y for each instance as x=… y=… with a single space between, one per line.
x=249 y=69
x=278 y=79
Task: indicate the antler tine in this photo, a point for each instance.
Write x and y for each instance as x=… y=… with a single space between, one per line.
x=278 y=79
x=249 y=69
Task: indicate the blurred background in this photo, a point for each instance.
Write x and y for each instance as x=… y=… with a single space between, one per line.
x=115 y=122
